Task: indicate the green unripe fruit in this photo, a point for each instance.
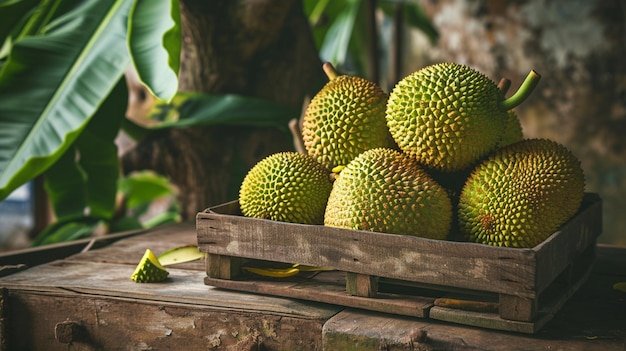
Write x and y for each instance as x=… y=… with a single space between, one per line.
x=449 y=116
x=521 y=194
x=345 y=118
x=512 y=131
x=287 y=187
x=384 y=190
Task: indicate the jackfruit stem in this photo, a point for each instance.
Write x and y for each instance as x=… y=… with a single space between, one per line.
x=330 y=71
x=503 y=85
x=524 y=91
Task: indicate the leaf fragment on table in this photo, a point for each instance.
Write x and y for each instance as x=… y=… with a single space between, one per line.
x=621 y=286
x=180 y=254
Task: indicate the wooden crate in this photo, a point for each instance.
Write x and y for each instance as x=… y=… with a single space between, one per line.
x=516 y=289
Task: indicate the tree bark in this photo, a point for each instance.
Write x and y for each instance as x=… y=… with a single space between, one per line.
x=248 y=47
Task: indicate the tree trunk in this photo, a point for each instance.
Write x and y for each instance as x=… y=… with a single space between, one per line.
x=248 y=47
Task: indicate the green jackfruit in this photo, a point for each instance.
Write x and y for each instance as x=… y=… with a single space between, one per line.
x=521 y=194
x=384 y=190
x=287 y=187
x=449 y=116
x=345 y=118
x=512 y=131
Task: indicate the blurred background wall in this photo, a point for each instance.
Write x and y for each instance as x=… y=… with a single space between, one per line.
x=578 y=47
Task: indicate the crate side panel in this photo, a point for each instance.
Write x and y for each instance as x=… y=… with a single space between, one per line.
x=561 y=249
x=445 y=263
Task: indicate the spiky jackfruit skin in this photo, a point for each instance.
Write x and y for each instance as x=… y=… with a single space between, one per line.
x=345 y=118
x=149 y=269
x=521 y=194
x=384 y=190
x=512 y=131
x=287 y=187
x=446 y=115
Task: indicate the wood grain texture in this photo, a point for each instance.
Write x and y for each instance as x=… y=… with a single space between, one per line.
x=591 y=320
x=112 y=312
x=108 y=323
x=182 y=286
x=330 y=288
x=361 y=284
x=518 y=272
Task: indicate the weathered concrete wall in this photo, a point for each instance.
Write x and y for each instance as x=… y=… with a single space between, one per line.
x=579 y=48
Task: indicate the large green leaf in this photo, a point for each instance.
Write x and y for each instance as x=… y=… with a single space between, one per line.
x=154 y=40
x=189 y=109
x=141 y=188
x=13 y=12
x=52 y=84
x=65 y=187
x=66 y=230
x=98 y=153
x=322 y=14
x=337 y=40
x=85 y=177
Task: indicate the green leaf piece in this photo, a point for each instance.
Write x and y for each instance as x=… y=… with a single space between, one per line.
x=196 y=109
x=68 y=230
x=154 y=40
x=65 y=186
x=98 y=153
x=13 y=12
x=85 y=177
x=85 y=54
x=181 y=254
x=143 y=187
x=337 y=40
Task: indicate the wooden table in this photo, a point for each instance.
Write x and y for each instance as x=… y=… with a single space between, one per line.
x=88 y=300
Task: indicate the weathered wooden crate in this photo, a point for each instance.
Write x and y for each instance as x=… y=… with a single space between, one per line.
x=474 y=284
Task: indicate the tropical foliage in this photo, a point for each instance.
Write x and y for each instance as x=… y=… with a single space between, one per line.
x=63 y=95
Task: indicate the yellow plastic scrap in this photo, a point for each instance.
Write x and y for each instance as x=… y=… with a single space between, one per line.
x=621 y=286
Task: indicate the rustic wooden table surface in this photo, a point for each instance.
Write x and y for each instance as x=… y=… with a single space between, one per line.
x=87 y=302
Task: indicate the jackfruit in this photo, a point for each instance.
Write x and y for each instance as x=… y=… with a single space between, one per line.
x=287 y=187
x=512 y=131
x=449 y=116
x=149 y=269
x=513 y=128
x=345 y=118
x=521 y=194
x=384 y=190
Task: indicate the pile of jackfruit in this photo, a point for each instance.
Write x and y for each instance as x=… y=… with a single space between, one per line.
x=442 y=156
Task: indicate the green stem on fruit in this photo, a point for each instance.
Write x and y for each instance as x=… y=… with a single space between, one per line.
x=504 y=85
x=524 y=91
x=330 y=71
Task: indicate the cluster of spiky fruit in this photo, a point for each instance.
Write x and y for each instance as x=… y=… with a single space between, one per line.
x=442 y=152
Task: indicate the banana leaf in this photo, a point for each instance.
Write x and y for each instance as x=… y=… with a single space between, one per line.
x=335 y=47
x=98 y=153
x=192 y=109
x=154 y=40
x=13 y=12
x=338 y=29
x=52 y=84
x=64 y=63
x=85 y=177
x=66 y=230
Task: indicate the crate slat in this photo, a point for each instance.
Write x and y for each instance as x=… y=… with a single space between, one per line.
x=518 y=277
